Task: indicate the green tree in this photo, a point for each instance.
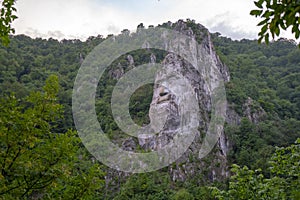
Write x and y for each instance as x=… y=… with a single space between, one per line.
x=7 y=16
x=251 y=184
x=154 y=186
x=36 y=162
x=183 y=194
x=277 y=15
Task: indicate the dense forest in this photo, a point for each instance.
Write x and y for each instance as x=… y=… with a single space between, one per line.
x=43 y=158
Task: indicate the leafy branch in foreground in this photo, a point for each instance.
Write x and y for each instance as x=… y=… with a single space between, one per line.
x=35 y=161
x=6 y=18
x=277 y=15
x=251 y=184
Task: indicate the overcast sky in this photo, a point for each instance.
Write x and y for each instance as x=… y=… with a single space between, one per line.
x=82 y=18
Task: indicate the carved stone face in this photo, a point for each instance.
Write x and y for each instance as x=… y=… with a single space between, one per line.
x=158 y=112
x=163 y=115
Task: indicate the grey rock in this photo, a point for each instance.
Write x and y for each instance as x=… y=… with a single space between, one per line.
x=117 y=73
x=152 y=59
x=252 y=111
x=130 y=60
x=166 y=105
x=129 y=144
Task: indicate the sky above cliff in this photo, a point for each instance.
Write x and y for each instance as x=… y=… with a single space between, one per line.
x=82 y=18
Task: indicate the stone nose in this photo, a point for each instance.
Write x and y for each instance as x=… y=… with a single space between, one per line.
x=163 y=91
x=164 y=95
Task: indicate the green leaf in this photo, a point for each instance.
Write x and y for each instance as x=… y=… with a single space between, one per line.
x=297 y=34
x=264 y=29
x=282 y=25
x=261 y=2
x=267 y=38
x=258 y=4
x=277 y=31
x=289 y=21
x=14 y=17
x=256 y=12
x=260 y=39
x=294 y=29
x=263 y=22
x=267 y=14
x=2 y=12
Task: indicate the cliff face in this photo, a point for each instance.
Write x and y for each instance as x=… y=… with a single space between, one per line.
x=188 y=81
x=205 y=72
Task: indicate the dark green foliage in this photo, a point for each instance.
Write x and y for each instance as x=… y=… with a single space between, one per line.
x=183 y=194
x=26 y=63
x=269 y=75
x=140 y=104
x=37 y=162
x=154 y=186
x=251 y=184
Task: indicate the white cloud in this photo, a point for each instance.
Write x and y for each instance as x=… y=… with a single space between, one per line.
x=228 y=25
x=83 y=18
x=76 y=17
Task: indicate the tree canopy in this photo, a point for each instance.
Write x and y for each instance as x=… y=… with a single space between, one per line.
x=247 y=184
x=37 y=162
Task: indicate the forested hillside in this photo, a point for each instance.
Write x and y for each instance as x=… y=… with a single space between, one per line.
x=268 y=74
x=42 y=157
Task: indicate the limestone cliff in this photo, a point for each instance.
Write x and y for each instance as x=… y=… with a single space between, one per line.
x=214 y=166
x=199 y=64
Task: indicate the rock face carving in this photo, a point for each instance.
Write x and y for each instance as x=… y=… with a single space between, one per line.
x=164 y=100
x=164 y=95
x=166 y=105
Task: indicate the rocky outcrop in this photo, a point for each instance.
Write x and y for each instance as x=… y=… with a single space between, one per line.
x=152 y=59
x=117 y=73
x=232 y=117
x=199 y=65
x=253 y=111
x=204 y=73
x=130 y=61
x=129 y=145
